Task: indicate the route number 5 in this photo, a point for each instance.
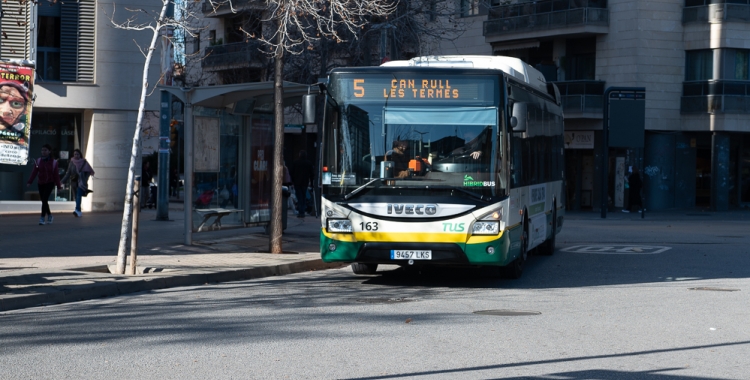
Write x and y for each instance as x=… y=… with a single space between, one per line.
x=359 y=91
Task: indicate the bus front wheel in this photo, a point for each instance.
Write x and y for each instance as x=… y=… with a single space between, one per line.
x=364 y=268
x=514 y=270
x=548 y=247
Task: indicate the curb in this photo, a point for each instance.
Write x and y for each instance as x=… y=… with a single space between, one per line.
x=118 y=286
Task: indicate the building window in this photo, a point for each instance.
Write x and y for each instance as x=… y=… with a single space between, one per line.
x=470 y=7
x=699 y=64
x=65 y=41
x=580 y=59
x=48 y=48
x=738 y=64
x=197 y=43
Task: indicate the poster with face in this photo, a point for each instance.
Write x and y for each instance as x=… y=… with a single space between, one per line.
x=16 y=94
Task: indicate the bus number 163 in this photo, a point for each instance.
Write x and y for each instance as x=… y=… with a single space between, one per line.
x=369 y=226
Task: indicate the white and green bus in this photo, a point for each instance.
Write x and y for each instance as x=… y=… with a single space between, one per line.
x=441 y=160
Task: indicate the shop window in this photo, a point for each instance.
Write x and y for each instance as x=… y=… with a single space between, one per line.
x=62 y=131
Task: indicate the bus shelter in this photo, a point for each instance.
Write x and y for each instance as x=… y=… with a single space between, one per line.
x=228 y=152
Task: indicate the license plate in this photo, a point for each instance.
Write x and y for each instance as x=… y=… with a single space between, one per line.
x=402 y=254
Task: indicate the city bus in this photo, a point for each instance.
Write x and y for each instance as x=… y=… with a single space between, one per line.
x=440 y=160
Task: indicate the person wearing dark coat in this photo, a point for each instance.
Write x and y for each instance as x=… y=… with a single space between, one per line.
x=636 y=184
x=302 y=173
x=46 y=168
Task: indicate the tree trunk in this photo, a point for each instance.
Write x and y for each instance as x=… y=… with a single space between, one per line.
x=275 y=231
x=135 y=152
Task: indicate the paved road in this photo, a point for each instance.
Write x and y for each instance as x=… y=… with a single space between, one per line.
x=644 y=313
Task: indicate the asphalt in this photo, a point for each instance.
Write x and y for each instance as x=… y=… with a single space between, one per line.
x=73 y=258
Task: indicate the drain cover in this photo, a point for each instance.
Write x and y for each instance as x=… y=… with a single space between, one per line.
x=384 y=300
x=507 y=313
x=716 y=289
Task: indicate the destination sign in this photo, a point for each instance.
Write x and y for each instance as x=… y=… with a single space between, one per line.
x=419 y=88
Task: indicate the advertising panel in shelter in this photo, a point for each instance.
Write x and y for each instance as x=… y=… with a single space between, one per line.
x=16 y=94
x=261 y=153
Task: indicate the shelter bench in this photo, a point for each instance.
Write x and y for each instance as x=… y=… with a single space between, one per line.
x=208 y=213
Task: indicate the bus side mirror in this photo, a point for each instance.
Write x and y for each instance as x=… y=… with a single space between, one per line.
x=308 y=109
x=518 y=120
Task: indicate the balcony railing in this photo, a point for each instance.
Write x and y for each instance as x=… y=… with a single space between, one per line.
x=227 y=6
x=234 y=55
x=530 y=16
x=582 y=97
x=715 y=96
x=738 y=11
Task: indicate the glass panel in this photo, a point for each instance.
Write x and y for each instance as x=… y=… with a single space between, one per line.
x=48 y=67
x=699 y=65
x=49 y=32
x=59 y=130
x=219 y=189
x=745 y=171
x=741 y=64
x=420 y=146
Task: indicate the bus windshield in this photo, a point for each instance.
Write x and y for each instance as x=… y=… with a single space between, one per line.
x=388 y=144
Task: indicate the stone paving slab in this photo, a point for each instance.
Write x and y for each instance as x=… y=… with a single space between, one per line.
x=38 y=278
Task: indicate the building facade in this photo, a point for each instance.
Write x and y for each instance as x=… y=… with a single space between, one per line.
x=691 y=56
x=88 y=85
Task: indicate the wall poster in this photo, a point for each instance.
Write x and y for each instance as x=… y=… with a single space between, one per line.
x=16 y=97
x=206 y=144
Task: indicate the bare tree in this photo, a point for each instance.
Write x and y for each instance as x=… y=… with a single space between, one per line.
x=299 y=25
x=143 y=20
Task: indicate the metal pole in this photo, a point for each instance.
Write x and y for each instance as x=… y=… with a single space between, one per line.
x=162 y=198
x=605 y=153
x=134 y=235
x=188 y=138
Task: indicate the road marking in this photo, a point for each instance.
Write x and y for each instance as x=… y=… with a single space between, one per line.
x=617 y=249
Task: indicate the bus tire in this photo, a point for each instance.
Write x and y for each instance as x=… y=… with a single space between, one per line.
x=514 y=270
x=548 y=247
x=364 y=268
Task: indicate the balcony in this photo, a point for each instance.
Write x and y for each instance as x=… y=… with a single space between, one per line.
x=582 y=99
x=715 y=97
x=716 y=11
x=218 y=8
x=546 y=18
x=233 y=56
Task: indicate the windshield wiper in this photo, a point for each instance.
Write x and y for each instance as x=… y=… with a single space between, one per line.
x=473 y=194
x=467 y=192
x=357 y=190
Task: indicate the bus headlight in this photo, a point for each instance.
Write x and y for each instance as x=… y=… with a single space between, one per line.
x=485 y=228
x=339 y=225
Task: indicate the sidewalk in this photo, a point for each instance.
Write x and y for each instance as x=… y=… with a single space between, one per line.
x=68 y=260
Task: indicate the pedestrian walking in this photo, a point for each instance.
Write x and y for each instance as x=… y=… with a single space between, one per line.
x=146 y=185
x=635 y=184
x=79 y=171
x=174 y=183
x=302 y=175
x=46 y=168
